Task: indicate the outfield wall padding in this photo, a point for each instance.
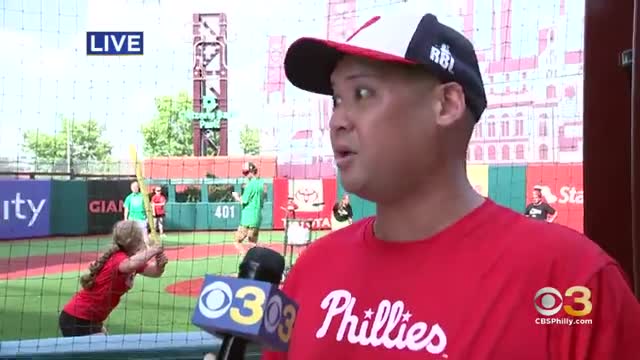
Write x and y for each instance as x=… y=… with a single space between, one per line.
x=25 y=209
x=507 y=186
x=79 y=207
x=205 y=215
x=69 y=207
x=562 y=187
x=104 y=207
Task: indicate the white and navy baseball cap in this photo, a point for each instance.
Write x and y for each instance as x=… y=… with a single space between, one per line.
x=405 y=39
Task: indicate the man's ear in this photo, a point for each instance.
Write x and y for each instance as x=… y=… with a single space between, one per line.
x=452 y=104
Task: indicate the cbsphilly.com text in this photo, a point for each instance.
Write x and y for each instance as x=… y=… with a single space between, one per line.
x=563 y=321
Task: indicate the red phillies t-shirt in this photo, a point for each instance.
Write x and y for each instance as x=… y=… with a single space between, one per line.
x=97 y=303
x=466 y=293
x=158 y=201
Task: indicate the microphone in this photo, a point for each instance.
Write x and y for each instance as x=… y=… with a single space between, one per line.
x=250 y=307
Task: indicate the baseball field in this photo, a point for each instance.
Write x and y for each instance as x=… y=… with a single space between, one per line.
x=38 y=276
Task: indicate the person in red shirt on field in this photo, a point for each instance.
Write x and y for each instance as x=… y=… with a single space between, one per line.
x=110 y=277
x=440 y=272
x=290 y=209
x=158 y=202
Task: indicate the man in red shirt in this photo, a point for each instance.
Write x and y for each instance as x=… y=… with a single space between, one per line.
x=440 y=272
x=158 y=201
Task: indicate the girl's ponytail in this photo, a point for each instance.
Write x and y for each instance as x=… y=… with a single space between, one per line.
x=88 y=280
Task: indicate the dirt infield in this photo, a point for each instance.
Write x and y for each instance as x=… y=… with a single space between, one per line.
x=21 y=267
x=189 y=288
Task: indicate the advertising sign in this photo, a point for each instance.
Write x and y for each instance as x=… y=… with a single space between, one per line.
x=479 y=178
x=105 y=199
x=561 y=186
x=24 y=208
x=315 y=199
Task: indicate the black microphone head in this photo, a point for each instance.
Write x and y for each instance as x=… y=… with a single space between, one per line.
x=262 y=264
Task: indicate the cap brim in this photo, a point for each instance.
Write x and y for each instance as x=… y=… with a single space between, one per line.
x=310 y=61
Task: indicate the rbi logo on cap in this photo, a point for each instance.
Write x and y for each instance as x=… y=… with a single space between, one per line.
x=442 y=57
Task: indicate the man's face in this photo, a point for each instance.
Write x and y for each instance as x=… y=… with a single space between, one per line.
x=537 y=197
x=382 y=128
x=134 y=187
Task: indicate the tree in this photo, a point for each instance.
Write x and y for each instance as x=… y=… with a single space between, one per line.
x=85 y=141
x=169 y=133
x=250 y=140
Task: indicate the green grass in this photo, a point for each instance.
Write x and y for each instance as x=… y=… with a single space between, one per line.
x=30 y=306
x=62 y=245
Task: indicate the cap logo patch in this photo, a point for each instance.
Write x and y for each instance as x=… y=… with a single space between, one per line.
x=442 y=57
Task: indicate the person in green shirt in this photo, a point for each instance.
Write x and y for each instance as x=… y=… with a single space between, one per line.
x=134 y=208
x=251 y=202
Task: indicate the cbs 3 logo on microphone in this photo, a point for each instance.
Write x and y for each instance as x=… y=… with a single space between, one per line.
x=248 y=306
x=549 y=301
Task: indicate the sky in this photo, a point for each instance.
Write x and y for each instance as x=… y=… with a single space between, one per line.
x=45 y=72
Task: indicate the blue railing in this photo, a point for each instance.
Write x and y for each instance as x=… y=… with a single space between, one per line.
x=177 y=346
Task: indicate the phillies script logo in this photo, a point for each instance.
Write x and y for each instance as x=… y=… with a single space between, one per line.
x=106 y=206
x=389 y=325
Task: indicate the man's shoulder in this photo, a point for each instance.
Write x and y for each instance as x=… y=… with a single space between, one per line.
x=543 y=242
x=551 y=235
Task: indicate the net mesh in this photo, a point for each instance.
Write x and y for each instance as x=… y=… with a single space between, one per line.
x=67 y=121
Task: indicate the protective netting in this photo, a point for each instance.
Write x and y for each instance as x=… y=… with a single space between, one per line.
x=67 y=121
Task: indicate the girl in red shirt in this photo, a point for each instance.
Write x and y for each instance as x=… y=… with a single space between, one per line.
x=110 y=277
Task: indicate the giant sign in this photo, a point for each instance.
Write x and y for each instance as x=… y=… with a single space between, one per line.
x=105 y=200
x=24 y=208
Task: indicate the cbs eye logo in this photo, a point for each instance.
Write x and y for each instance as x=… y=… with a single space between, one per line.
x=549 y=301
x=217 y=299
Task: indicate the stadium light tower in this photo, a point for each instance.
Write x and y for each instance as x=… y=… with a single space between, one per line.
x=210 y=129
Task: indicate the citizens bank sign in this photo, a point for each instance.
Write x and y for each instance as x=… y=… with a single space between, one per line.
x=564 y=195
x=24 y=208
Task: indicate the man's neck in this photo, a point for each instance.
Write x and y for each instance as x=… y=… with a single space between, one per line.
x=425 y=212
